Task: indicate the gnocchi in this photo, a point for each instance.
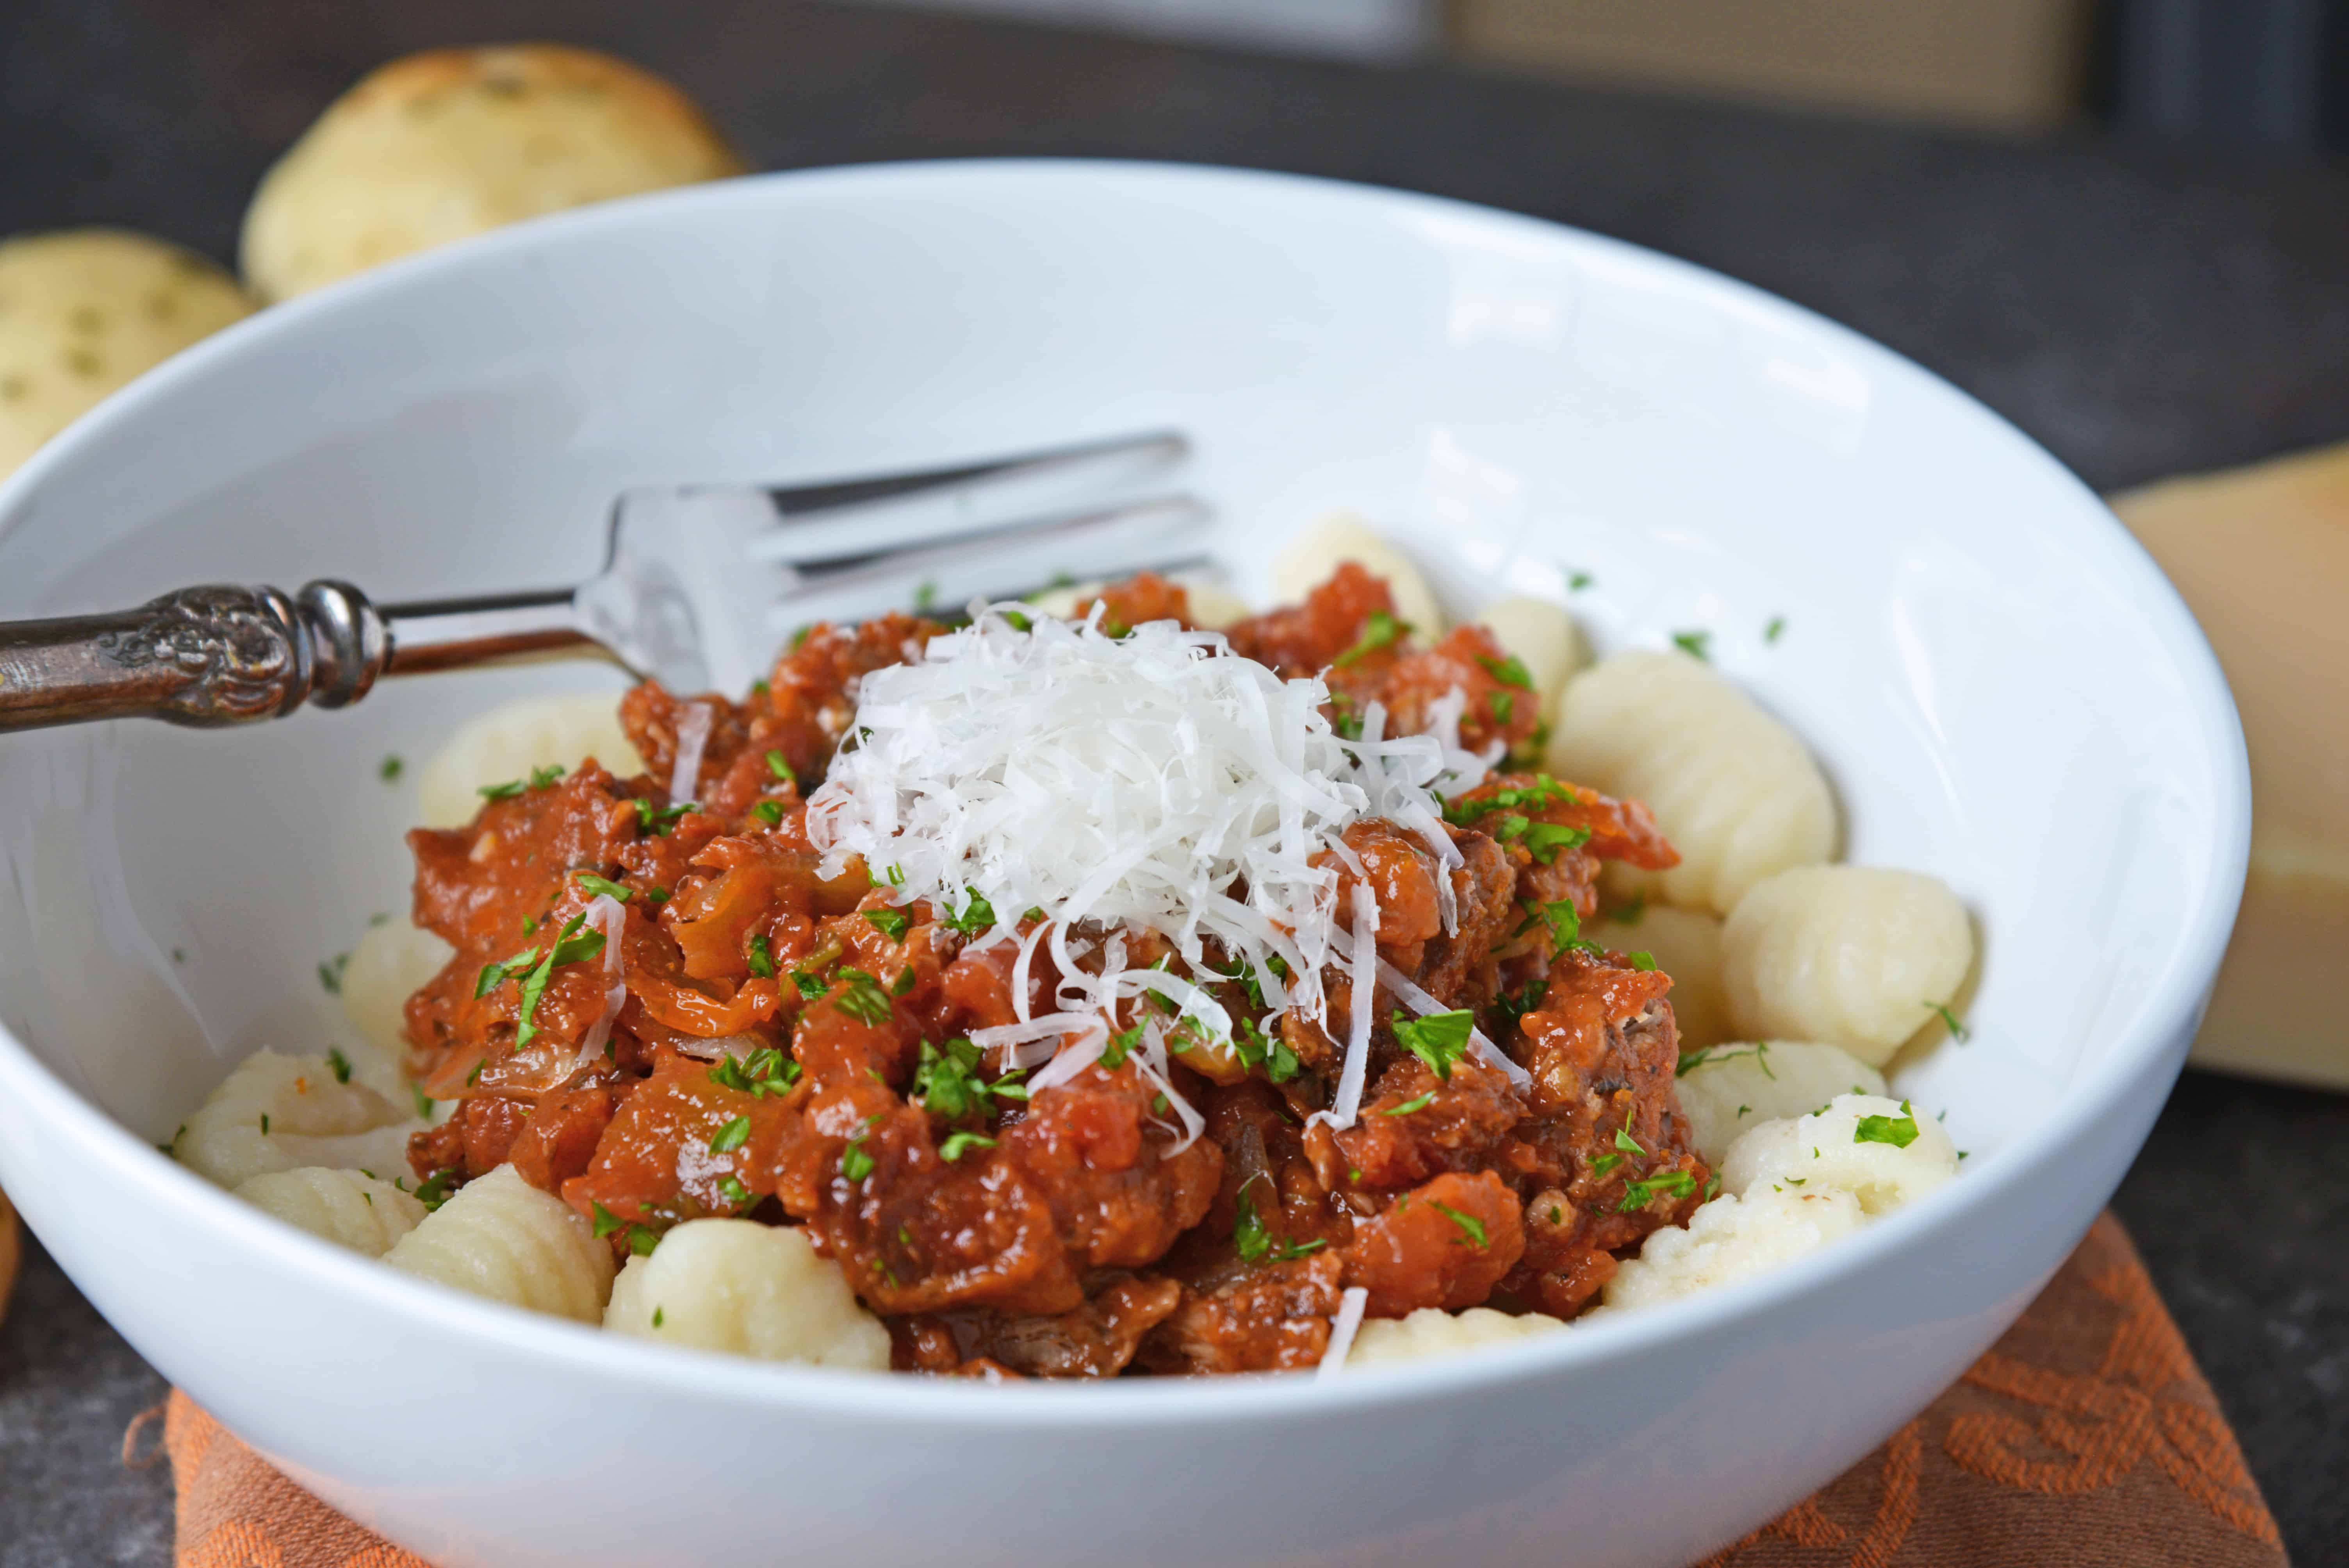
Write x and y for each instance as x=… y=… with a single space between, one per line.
x=1738 y=795
x=348 y=1208
x=1876 y=1149
x=391 y=962
x=1686 y=945
x=280 y=1113
x=506 y=743
x=1318 y=551
x=502 y=1239
x=1431 y=1332
x=1856 y=956
x=1730 y=1089
x=747 y=1289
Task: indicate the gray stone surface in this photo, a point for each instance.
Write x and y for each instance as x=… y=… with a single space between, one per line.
x=2138 y=311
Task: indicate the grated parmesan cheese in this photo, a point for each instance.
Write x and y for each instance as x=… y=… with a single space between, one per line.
x=692 y=739
x=1156 y=780
x=1347 y=1323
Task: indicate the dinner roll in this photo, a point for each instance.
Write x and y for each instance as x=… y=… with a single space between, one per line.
x=747 y=1289
x=453 y=142
x=1318 y=552
x=84 y=311
x=1735 y=790
x=1728 y=1091
x=1858 y=956
x=506 y=743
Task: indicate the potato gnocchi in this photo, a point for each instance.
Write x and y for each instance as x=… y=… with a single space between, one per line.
x=348 y=1208
x=747 y=1289
x=1856 y=956
x=503 y=1239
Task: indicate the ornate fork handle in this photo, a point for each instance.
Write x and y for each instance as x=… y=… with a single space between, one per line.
x=224 y=655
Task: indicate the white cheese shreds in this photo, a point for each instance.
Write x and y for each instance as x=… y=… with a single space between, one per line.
x=1342 y=1330
x=606 y=914
x=1362 y=988
x=692 y=739
x=1155 y=780
x=1423 y=1004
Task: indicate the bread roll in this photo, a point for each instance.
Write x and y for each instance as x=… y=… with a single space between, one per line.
x=454 y=143
x=84 y=311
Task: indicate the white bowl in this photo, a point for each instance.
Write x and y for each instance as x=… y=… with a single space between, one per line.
x=2004 y=689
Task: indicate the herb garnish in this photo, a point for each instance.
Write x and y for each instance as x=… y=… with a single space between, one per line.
x=959 y=1144
x=861 y=997
x=1471 y=1227
x=1253 y=1241
x=603 y=887
x=1957 y=1031
x=338 y=1064
x=1900 y=1131
x=1438 y=1039
x=1380 y=631
x=765 y=1071
x=640 y=1238
x=1694 y=644
x=889 y=922
x=1638 y=1194
x=731 y=1136
x=1416 y=1102
x=977 y=915
x=760 y=957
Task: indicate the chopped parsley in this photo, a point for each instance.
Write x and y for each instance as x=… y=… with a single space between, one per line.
x=765 y=1071
x=809 y=983
x=1775 y=630
x=1472 y=1229
x=1114 y=1053
x=1510 y=671
x=977 y=915
x=1256 y=1244
x=1565 y=925
x=1380 y=631
x=925 y=594
x=959 y=1144
x=1416 y=1102
x=423 y=1102
x=854 y=1163
x=1694 y=644
x=391 y=768
x=1439 y=1039
x=1627 y=1144
x=861 y=997
x=540 y=778
x=1505 y=707
x=1639 y=1194
x=768 y=811
x=1643 y=961
x=603 y=887
x=1630 y=913
x=1018 y=620
x=760 y=957
x=330 y=973
x=1544 y=839
x=338 y=1064
x=731 y=1136
x=640 y=1238
x=1578 y=582
x=1543 y=790
x=505 y=791
x=731 y=1188
x=435 y=1189
x=781 y=768
x=1691 y=1061
x=1900 y=1131
x=662 y=821
x=1258 y=1048
x=1957 y=1031
x=889 y=922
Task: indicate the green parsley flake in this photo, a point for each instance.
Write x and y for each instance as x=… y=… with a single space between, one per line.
x=1627 y=1144
x=391 y=768
x=1416 y=1102
x=854 y=1163
x=809 y=983
x=1694 y=644
x=1255 y=1243
x=1510 y=671
x=861 y=997
x=1957 y=1031
x=1438 y=1039
x=959 y=1144
x=731 y=1188
x=1577 y=583
x=1643 y=961
x=760 y=957
x=778 y=764
x=731 y=1136
x=977 y=915
x=889 y=922
x=338 y=1064
x=1775 y=630
x=1472 y=1229
x=765 y=1071
x=505 y=791
x=768 y=811
x=603 y=887
x=1900 y=1131
x=1380 y=631
x=540 y=778
x=1639 y=1194
x=330 y=973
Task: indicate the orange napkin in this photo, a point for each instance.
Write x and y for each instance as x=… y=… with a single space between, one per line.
x=2087 y=1437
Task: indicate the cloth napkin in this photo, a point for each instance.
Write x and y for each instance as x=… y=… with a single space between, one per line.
x=2087 y=1437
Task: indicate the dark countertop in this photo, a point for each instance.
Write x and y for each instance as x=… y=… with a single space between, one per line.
x=2139 y=311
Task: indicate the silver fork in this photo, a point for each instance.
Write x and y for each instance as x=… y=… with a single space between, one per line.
x=699 y=587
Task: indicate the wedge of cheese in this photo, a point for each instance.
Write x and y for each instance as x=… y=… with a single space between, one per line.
x=2262 y=557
